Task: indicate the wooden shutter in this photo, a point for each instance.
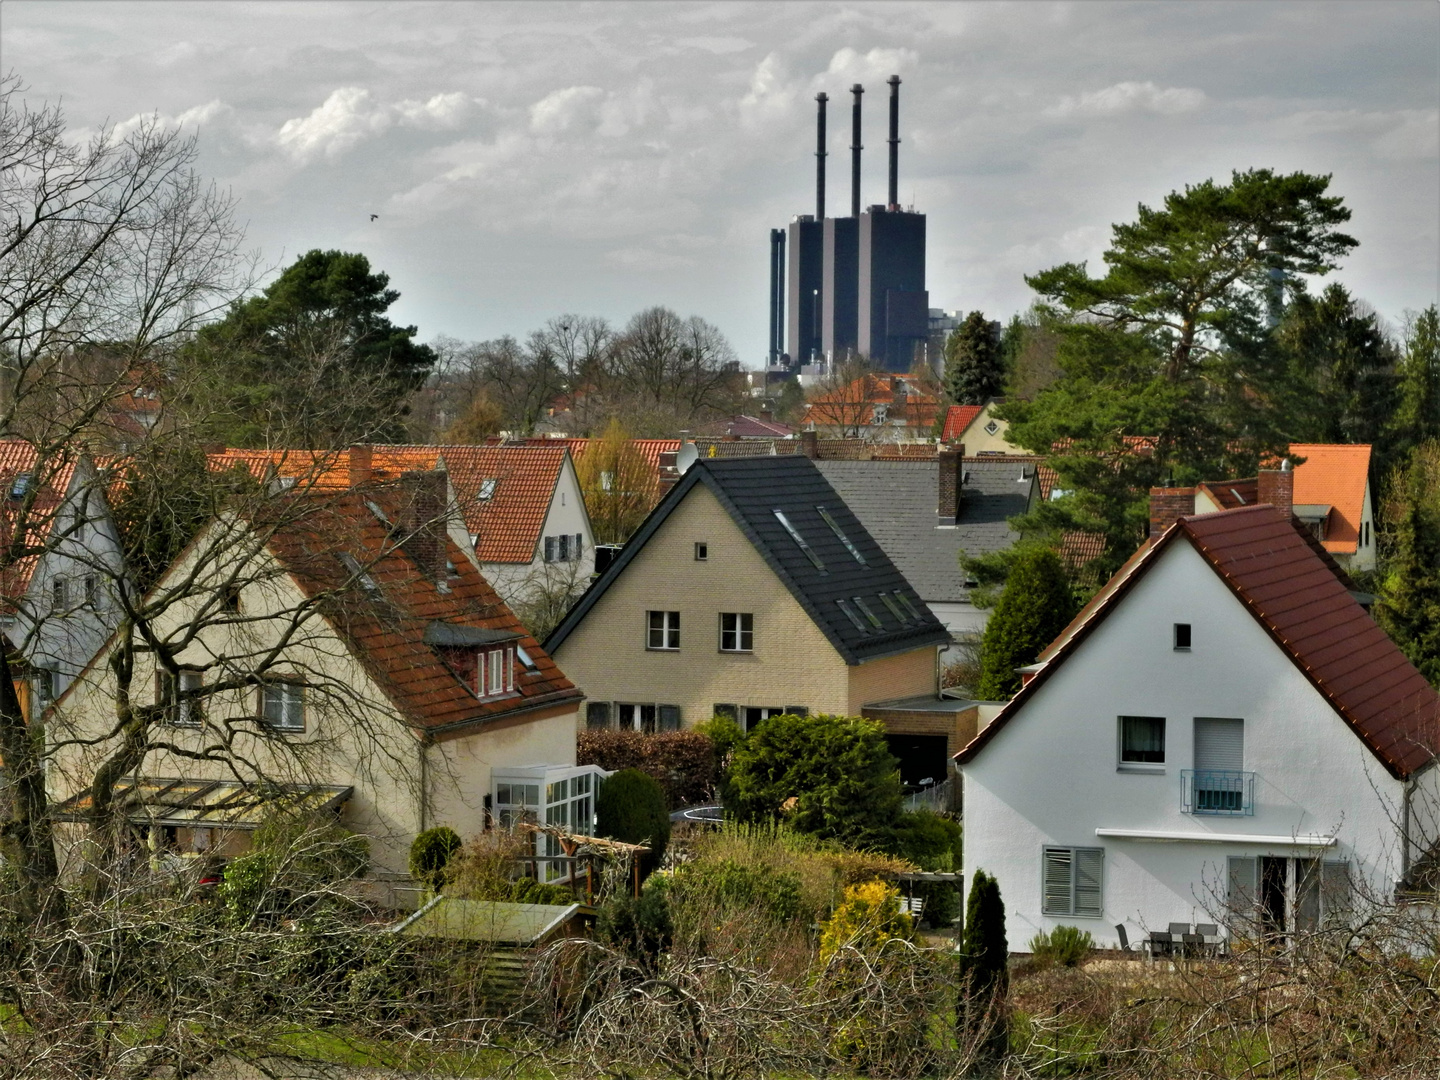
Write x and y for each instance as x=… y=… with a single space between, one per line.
x=1059 y=881
x=1219 y=744
x=1334 y=893
x=1089 y=873
x=1243 y=887
x=1307 y=894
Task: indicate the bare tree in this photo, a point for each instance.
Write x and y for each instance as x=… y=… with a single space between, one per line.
x=842 y=401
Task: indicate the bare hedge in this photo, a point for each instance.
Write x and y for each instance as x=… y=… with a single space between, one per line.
x=683 y=762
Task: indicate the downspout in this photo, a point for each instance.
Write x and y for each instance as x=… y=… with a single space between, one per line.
x=424 y=780
x=1408 y=792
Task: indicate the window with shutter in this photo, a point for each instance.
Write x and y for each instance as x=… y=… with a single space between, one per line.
x=1219 y=744
x=1089 y=870
x=549 y=549
x=1242 y=887
x=1073 y=882
x=1059 y=876
x=669 y=717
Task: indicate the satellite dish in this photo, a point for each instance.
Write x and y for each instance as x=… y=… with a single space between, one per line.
x=686 y=456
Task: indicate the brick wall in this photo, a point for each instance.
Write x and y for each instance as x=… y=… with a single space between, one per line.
x=1168 y=505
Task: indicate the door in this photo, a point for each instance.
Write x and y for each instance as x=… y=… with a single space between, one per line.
x=1274 y=877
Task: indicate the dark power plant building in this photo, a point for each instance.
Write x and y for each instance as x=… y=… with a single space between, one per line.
x=852 y=285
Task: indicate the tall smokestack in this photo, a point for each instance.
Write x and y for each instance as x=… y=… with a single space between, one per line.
x=820 y=100
x=894 y=82
x=855 y=149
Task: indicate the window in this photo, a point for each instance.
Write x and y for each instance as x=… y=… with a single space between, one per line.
x=991 y=428
x=799 y=540
x=904 y=602
x=891 y=606
x=496 y=672
x=669 y=717
x=282 y=705
x=1182 y=637
x=59 y=594
x=1280 y=895
x=180 y=710
x=737 y=631
x=840 y=535
x=92 y=591
x=851 y=615
x=354 y=569
x=487 y=488
x=870 y=616
x=702 y=551
x=755 y=714
x=644 y=718
x=597 y=714
x=1073 y=879
x=728 y=712
x=515 y=803
x=1142 y=740
x=1218 y=784
x=577 y=546
x=231 y=600
x=46 y=684
x=663 y=630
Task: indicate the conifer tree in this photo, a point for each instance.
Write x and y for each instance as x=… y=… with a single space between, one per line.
x=1036 y=605
x=1409 y=601
x=984 y=963
x=1417 y=418
x=974 y=361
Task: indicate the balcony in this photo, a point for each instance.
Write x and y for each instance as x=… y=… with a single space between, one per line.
x=1222 y=792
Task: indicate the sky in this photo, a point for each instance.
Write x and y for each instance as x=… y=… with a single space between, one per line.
x=528 y=160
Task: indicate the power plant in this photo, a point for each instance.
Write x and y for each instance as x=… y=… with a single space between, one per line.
x=852 y=286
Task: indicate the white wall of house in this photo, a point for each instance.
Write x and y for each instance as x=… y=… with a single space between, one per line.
x=565 y=517
x=1052 y=775
x=1365 y=550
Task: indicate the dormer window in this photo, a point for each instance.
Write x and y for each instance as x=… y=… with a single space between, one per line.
x=482 y=659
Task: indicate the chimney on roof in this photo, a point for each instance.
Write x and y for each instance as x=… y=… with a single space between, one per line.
x=1277 y=487
x=948 y=505
x=425 y=505
x=1168 y=505
x=810 y=443
x=361 y=458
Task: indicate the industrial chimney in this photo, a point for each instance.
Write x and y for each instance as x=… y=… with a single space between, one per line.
x=855 y=149
x=820 y=100
x=894 y=82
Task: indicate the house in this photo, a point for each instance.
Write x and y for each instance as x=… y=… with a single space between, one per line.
x=928 y=512
x=978 y=429
x=340 y=650
x=874 y=406
x=751 y=589
x=524 y=514
x=1222 y=735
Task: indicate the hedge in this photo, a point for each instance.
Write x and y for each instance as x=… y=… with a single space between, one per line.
x=682 y=762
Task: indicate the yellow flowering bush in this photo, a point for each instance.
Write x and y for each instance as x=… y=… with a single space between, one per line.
x=868 y=916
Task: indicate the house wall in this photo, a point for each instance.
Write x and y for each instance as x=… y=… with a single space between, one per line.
x=793 y=662
x=1051 y=776
x=977 y=440
x=354 y=735
x=1365 y=554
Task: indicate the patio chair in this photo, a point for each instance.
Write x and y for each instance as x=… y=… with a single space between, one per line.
x=1179 y=929
x=1192 y=946
x=1161 y=943
x=1124 y=937
x=1211 y=935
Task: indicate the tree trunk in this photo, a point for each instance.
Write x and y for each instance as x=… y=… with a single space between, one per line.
x=27 y=831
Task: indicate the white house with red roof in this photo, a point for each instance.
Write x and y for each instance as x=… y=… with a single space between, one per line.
x=1222 y=738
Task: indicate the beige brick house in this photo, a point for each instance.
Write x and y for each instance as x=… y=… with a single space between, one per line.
x=750 y=590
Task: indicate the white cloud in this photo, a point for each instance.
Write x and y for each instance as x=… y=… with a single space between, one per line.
x=875 y=66
x=346 y=119
x=441 y=112
x=1130 y=97
x=771 y=93
x=559 y=109
x=190 y=118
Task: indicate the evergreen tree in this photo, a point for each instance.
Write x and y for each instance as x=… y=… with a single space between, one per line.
x=631 y=807
x=1408 y=607
x=1417 y=416
x=1036 y=605
x=974 y=361
x=984 y=964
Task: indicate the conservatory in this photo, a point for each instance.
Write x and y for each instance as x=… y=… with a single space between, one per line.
x=560 y=796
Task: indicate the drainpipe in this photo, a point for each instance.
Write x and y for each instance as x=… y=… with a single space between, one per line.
x=424 y=781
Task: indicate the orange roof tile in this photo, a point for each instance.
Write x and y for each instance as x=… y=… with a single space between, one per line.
x=388 y=635
x=504 y=493
x=1334 y=475
x=19 y=457
x=957 y=420
x=328 y=470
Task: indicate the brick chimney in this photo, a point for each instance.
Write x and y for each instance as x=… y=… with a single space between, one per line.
x=426 y=495
x=947 y=507
x=810 y=444
x=360 y=458
x=1168 y=505
x=1277 y=487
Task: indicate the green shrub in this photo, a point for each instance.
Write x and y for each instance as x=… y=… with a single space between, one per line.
x=430 y=853
x=292 y=857
x=527 y=890
x=868 y=917
x=1065 y=945
x=639 y=925
x=838 y=771
x=724 y=734
x=631 y=807
x=933 y=842
x=730 y=884
x=1036 y=605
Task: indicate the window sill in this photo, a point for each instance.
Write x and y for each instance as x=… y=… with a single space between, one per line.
x=737 y=652
x=657 y=648
x=1155 y=769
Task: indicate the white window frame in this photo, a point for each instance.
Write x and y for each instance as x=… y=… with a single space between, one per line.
x=738 y=629
x=665 y=631
x=1125 y=765
x=1052 y=856
x=495 y=671
x=283 y=705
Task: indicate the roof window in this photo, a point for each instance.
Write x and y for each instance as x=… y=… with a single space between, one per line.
x=835 y=528
x=850 y=614
x=870 y=616
x=356 y=571
x=799 y=540
x=893 y=608
x=487 y=488
x=20 y=485
x=907 y=605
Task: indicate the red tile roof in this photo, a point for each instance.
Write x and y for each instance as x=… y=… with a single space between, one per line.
x=1335 y=476
x=1229 y=494
x=507 y=515
x=387 y=634
x=853 y=404
x=957 y=420
x=1306 y=609
x=19 y=457
x=328 y=470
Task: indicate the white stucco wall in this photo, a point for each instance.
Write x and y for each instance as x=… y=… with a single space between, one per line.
x=1050 y=776
x=566 y=516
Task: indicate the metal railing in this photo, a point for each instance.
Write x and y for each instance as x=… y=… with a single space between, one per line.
x=1226 y=792
x=935 y=797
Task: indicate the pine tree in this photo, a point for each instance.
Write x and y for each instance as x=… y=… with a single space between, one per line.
x=1418 y=416
x=1409 y=601
x=1036 y=605
x=974 y=361
x=984 y=964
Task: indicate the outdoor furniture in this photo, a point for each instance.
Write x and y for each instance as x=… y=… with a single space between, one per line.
x=1179 y=929
x=1161 y=943
x=1124 y=937
x=1214 y=943
x=1192 y=946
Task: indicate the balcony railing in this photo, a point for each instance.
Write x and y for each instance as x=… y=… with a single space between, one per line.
x=1228 y=792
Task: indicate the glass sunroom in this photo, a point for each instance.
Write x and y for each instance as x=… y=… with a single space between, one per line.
x=562 y=796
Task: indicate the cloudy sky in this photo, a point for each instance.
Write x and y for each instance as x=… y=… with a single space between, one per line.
x=532 y=159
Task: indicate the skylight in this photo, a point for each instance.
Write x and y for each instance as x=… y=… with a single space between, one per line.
x=870 y=616
x=353 y=568
x=835 y=528
x=487 y=488
x=800 y=540
x=905 y=603
x=850 y=614
x=894 y=608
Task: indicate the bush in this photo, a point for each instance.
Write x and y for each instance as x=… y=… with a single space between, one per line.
x=683 y=763
x=729 y=884
x=431 y=852
x=933 y=842
x=291 y=861
x=984 y=965
x=724 y=734
x=639 y=925
x=868 y=917
x=1065 y=945
x=837 y=770
x=631 y=807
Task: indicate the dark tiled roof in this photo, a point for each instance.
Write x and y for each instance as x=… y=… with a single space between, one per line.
x=751 y=490
x=896 y=501
x=1273 y=570
x=387 y=631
